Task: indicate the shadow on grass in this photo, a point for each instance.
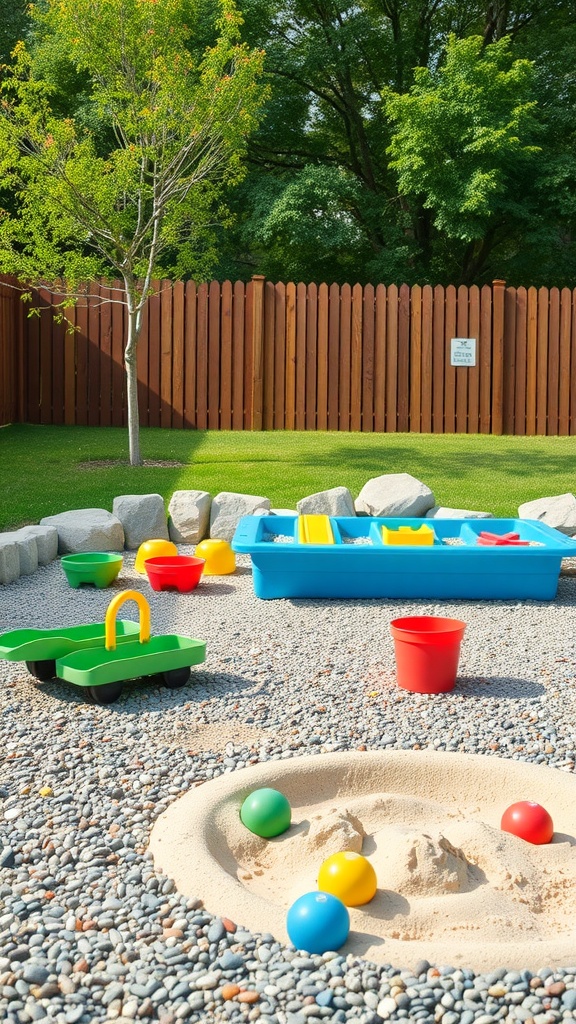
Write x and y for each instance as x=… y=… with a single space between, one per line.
x=400 y=457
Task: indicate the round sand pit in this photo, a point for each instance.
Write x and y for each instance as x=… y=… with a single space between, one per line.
x=452 y=887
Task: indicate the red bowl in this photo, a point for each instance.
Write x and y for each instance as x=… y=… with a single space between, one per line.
x=179 y=572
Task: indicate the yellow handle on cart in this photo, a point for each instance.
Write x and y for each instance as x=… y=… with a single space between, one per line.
x=110 y=620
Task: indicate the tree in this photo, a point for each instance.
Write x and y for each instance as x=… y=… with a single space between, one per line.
x=329 y=63
x=137 y=197
x=463 y=146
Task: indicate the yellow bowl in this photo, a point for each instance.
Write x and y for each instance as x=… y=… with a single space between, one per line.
x=218 y=556
x=153 y=549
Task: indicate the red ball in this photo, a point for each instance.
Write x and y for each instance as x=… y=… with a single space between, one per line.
x=528 y=820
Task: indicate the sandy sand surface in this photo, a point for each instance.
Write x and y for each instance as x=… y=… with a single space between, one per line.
x=452 y=887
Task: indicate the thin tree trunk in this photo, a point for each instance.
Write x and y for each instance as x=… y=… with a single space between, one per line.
x=132 y=384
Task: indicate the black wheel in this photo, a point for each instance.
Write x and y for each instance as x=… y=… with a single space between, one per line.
x=42 y=670
x=105 y=694
x=176 y=678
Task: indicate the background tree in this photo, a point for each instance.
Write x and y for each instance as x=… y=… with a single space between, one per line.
x=330 y=64
x=166 y=97
x=463 y=148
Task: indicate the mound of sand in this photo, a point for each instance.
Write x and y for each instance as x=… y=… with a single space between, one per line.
x=452 y=887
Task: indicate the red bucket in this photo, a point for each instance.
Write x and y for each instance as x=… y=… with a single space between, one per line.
x=427 y=649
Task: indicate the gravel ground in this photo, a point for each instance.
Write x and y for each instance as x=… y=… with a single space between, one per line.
x=90 y=931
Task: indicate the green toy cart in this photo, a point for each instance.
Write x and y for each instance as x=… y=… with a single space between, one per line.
x=100 y=659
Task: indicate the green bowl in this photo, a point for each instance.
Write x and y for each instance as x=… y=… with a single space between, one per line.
x=97 y=567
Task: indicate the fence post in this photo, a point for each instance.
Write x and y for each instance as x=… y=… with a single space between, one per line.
x=257 y=351
x=497 y=412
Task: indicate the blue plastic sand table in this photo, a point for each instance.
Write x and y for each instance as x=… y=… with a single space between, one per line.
x=333 y=556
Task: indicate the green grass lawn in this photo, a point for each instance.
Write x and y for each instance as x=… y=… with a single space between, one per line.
x=47 y=469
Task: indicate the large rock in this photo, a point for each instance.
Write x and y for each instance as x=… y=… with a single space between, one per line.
x=189 y=520
x=143 y=518
x=86 y=529
x=27 y=551
x=394 y=494
x=439 y=512
x=336 y=502
x=9 y=559
x=46 y=538
x=228 y=508
x=558 y=512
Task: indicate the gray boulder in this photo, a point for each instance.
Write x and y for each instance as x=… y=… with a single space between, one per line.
x=86 y=529
x=9 y=559
x=336 y=502
x=143 y=518
x=558 y=512
x=46 y=538
x=439 y=512
x=394 y=494
x=228 y=508
x=27 y=551
x=189 y=520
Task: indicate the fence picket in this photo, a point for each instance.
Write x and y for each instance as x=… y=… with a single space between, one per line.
x=290 y=416
x=311 y=355
x=356 y=360
x=403 y=358
x=238 y=341
x=301 y=322
x=426 y=385
x=542 y=361
x=474 y=371
x=177 y=355
x=379 y=358
x=333 y=355
x=521 y=335
x=553 y=394
x=190 y=419
x=461 y=372
x=392 y=361
x=153 y=352
x=531 y=350
x=268 y=355
x=510 y=306
x=213 y=362
x=416 y=358
x=322 y=349
x=438 y=359
x=485 y=358
x=450 y=314
x=564 y=363
x=202 y=358
x=94 y=356
x=368 y=313
x=279 y=356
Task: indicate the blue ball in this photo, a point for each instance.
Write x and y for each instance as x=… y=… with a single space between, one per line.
x=318 y=922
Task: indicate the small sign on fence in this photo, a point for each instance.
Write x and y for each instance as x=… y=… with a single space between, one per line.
x=463 y=352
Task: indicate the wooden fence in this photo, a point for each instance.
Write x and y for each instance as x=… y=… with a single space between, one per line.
x=300 y=357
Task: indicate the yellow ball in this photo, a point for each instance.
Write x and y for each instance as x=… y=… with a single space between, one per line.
x=349 y=876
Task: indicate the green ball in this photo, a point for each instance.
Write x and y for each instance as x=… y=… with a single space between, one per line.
x=266 y=812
